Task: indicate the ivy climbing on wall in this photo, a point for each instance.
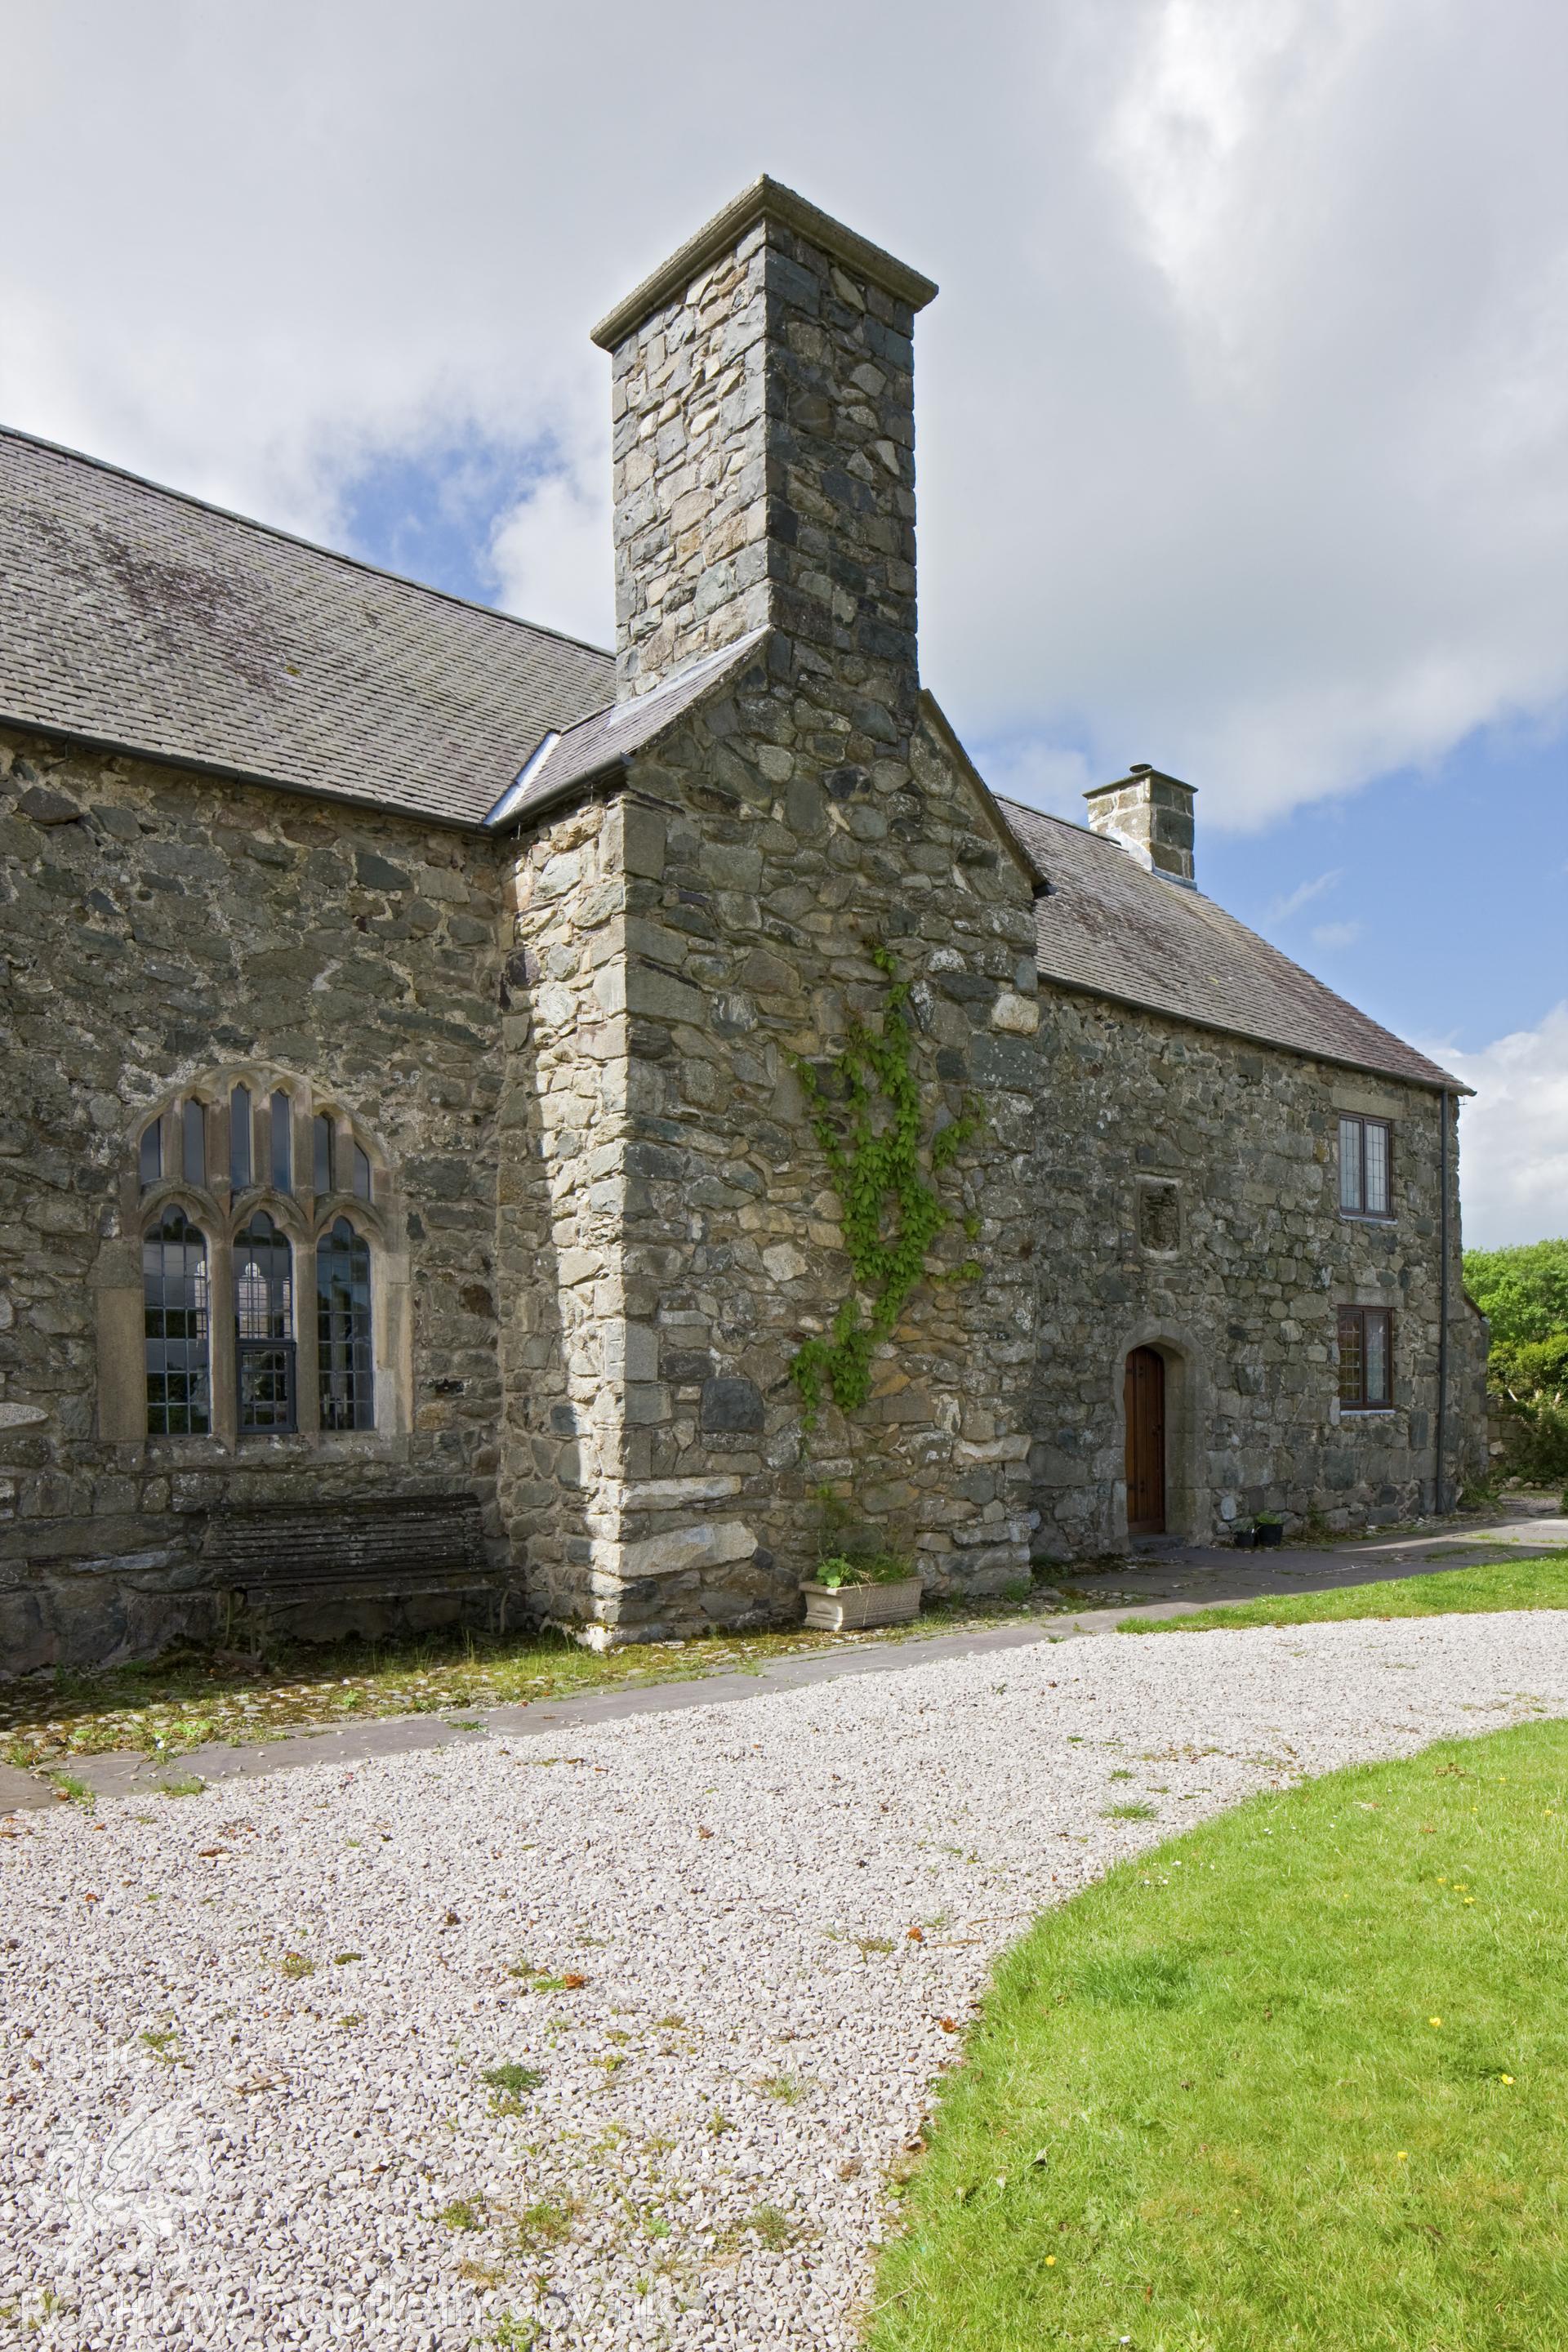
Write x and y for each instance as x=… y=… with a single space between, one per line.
x=870 y=1122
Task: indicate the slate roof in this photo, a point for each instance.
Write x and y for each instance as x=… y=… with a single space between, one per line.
x=1109 y=926
x=134 y=616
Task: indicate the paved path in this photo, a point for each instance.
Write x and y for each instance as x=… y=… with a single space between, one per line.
x=1166 y=1581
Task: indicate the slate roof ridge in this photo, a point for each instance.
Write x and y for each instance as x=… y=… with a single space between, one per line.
x=296 y=539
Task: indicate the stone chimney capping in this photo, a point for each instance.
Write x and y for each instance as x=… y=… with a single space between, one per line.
x=1151 y=816
x=762 y=411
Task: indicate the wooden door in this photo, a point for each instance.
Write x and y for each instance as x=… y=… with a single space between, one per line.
x=1144 y=1393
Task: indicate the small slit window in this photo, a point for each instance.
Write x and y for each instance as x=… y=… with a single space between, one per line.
x=362 y=1174
x=239 y=1140
x=343 y=1329
x=323 y=1140
x=151 y=1156
x=282 y=1144
x=193 y=1142
x=174 y=1297
x=1366 y=1166
x=1366 y=1359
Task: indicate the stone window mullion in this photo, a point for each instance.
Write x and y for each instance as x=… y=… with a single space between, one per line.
x=220 y=1339
x=307 y=1366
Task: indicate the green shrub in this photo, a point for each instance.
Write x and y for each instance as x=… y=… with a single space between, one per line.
x=1522 y=1292
x=871 y=1568
x=1534 y=1433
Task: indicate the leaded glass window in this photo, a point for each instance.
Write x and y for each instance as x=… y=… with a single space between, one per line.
x=1366 y=1157
x=264 y=1325
x=174 y=1294
x=150 y=1157
x=343 y=1329
x=239 y=1139
x=362 y=1174
x=1366 y=1354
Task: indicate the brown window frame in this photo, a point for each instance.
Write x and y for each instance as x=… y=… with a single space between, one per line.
x=1357 y=1119
x=1355 y=1318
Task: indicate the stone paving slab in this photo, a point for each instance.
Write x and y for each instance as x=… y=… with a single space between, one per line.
x=1173 y=1584
x=19 y=1791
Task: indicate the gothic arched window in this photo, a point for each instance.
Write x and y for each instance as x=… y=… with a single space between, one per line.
x=343 y=1329
x=264 y=1327
x=175 y=1301
x=247 y=1192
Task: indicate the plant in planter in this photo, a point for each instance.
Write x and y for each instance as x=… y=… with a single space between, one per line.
x=1269 y=1530
x=860 y=1581
x=856 y=1591
x=1245 y=1536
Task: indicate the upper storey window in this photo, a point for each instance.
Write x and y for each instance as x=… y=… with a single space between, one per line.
x=1366 y=1167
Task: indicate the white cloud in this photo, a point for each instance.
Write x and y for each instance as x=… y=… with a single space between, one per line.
x=1513 y=1137
x=1303 y=895
x=1336 y=935
x=1039 y=775
x=552 y=557
x=1243 y=409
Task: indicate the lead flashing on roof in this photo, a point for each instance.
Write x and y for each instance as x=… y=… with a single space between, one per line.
x=679 y=680
x=527 y=776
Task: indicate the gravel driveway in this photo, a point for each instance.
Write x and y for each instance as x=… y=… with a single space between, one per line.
x=245 y=2032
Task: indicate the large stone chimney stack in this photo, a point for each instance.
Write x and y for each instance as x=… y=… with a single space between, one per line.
x=1151 y=816
x=764 y=410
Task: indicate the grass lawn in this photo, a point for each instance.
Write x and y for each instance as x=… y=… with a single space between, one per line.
x=182 y=1700
x=1503 y=1585
x=1296 y=2081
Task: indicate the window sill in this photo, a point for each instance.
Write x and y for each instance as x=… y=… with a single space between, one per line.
x=1368 y=1217
x=1368 y=1412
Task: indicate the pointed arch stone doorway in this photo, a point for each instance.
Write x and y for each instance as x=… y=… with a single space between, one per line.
x=1143 y=1398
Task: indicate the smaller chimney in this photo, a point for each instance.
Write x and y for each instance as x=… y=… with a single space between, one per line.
x=1151 y=816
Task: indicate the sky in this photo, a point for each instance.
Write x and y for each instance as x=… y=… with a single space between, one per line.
x=1242 y=416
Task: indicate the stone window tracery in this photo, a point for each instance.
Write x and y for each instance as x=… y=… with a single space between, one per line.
x=247 y=1196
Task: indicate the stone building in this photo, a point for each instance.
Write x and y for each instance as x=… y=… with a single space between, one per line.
x=425 y=1049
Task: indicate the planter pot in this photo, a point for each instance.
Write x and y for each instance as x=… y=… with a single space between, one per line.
x=1270 y=1538
x=1245 y=1538
x=851 y=1608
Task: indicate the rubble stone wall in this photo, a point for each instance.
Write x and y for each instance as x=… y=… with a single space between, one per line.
x=153 y=924
x=758 y=875
x=1187 y=1197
